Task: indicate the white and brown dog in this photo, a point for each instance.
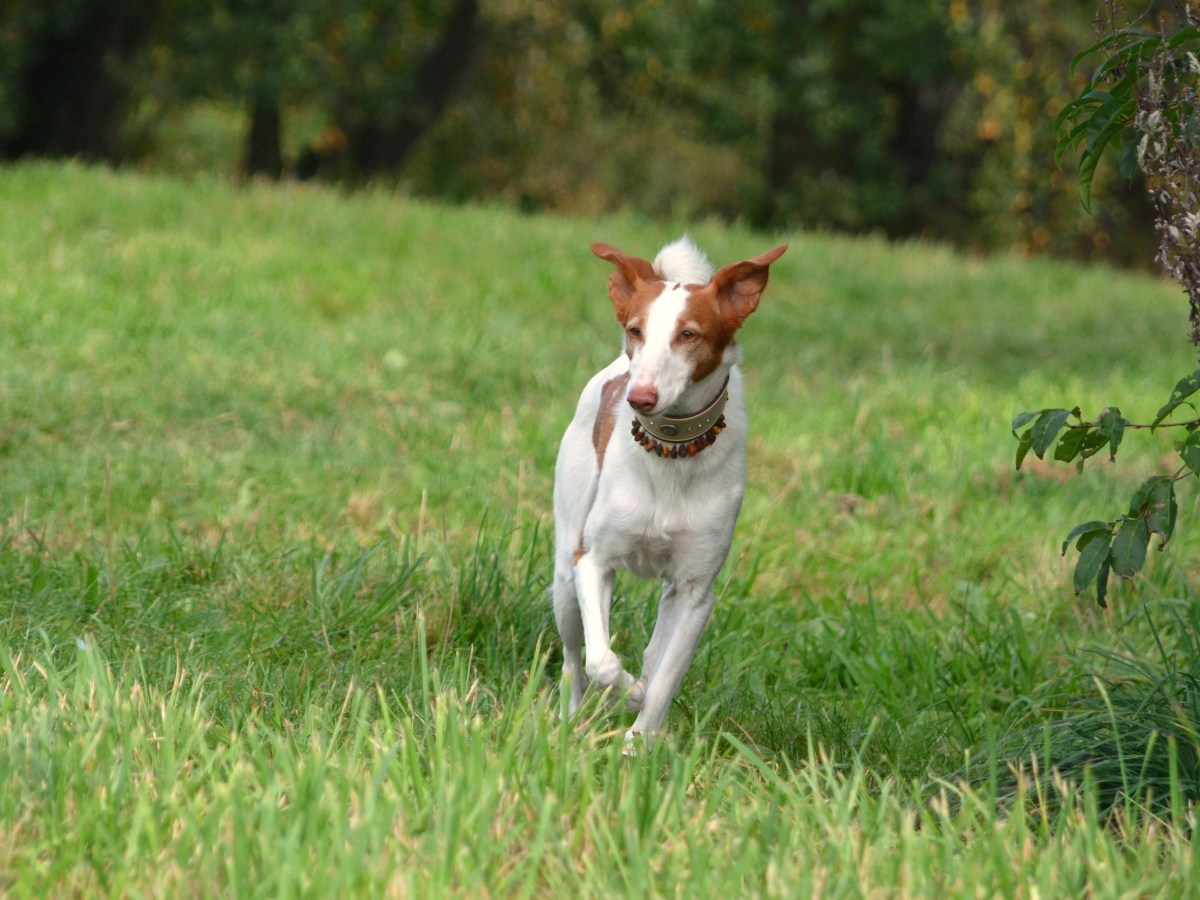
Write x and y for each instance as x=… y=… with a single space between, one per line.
x=651 y=470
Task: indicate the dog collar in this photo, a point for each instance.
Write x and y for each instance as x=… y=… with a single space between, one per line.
x=690 y=434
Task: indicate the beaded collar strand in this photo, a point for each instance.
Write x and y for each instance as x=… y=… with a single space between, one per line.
x=673 y=450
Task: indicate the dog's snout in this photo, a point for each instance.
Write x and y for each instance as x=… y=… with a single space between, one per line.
x=643 y=398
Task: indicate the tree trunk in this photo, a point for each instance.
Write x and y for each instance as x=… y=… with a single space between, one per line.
x=263 y=154
x=72 y=100
x=380 y=147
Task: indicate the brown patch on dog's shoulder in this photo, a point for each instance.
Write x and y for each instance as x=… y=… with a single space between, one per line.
x=606 y=416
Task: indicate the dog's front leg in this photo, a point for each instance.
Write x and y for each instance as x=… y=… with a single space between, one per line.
x=688 y=614
x=594 y=587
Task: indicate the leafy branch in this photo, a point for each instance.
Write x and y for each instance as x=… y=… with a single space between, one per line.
x=1143 y=97
x=1105 y=112
x=1118 y=546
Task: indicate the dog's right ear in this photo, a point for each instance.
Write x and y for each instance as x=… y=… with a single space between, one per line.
x=632 y=272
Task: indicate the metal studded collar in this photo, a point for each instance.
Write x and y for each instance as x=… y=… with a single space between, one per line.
x=681 y=429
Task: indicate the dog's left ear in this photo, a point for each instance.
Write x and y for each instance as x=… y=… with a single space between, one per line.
x=632 y=272
x=740 y=284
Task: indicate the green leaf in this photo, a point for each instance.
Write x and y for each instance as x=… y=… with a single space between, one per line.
x=1087 y=567
x=1112 y=425
x=1084 y=176
x=1102 y=583
x=1092 y=444
x=1023 y=445
x=1084 y=54
x=1072 y=123
x=1024 y=419
x=1105 y=42
x=1070 y=140
x=1141 y=497
x=1073 y=108
x=1127 y=163
x=1162 y=510
x=1186 y=386
x=1189 y=451
x=1086 y=532
x=1130 y=56
x=1096 y=145
x=1110 y=118
x=1129 y=548
x=1182 y=36
x=1070 y=444
x=1046 y=429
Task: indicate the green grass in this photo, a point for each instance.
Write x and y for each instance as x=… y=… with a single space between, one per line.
x=275 y=476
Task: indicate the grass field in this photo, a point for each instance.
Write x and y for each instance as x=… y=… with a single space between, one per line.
x=275 y=477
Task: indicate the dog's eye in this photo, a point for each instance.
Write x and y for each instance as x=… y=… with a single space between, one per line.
x=633 y=331
x=687 y=335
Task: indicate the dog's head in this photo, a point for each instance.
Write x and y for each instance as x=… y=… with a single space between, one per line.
x=677 y=333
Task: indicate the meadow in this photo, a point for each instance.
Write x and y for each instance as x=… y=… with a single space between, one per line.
x=275 y=478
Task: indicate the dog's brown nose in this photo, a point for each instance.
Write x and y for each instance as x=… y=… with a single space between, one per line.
x=643 y=398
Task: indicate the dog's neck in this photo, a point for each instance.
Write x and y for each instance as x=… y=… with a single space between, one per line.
x=699 y=395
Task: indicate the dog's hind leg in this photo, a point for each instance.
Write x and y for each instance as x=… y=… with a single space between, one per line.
x=570 y=630
x=663 y=625
x=692 y=606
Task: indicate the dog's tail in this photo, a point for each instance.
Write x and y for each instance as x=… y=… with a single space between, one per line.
x=684 y=262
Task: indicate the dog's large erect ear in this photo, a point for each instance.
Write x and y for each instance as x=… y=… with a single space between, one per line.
x=740 y=284
x=632 y=271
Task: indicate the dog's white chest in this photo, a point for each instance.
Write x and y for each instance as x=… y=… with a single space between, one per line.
x=662 y=530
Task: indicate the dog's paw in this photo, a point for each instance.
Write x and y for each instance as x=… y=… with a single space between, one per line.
x=637 y=741
x=605 y=672
x=635 y=695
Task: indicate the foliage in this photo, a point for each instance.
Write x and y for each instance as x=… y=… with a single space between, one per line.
x=65 y=75
x=357 y=64
x=1103 y=115
x=857 y=115
x=1135 y=737
x=854 y=115
x=1014 y=197
x=1151 y=81
x=1142 y=97
x=1117 y=547
x=860 y=94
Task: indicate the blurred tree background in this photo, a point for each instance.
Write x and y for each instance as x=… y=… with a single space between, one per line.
x=911 y=118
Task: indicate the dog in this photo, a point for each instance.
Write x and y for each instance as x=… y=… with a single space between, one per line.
x=651 y=471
